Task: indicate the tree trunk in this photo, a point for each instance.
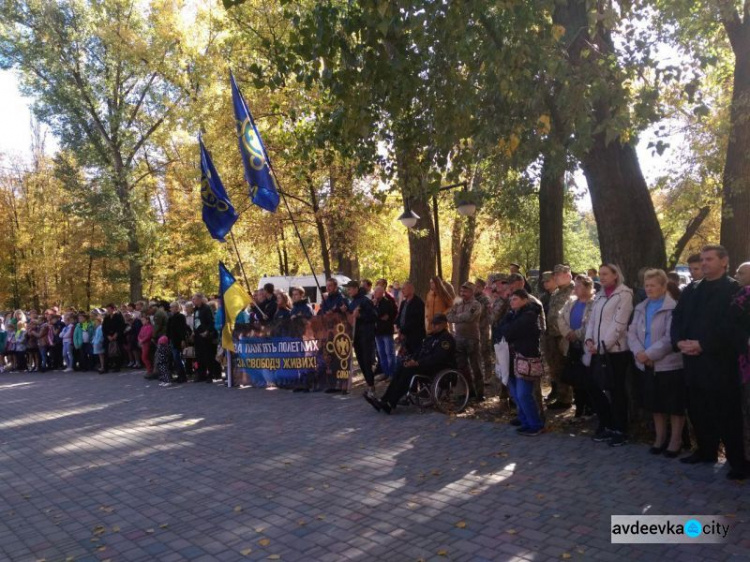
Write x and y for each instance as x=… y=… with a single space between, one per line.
x=629 y=231
x=735 y=205
x=463 y=249
x=324 y=254
x=422 y=242
x=342 y=227
x=551 y=204
x=690 y=230
x=456 y=251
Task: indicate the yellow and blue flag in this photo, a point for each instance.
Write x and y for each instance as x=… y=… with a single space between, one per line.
x=218 y=212
x=263 y=189
x=235 y=299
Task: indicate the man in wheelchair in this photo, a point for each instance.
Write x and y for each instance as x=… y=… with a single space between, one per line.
x=438 y=352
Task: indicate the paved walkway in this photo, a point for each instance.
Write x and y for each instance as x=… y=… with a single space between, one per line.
x=113 y=467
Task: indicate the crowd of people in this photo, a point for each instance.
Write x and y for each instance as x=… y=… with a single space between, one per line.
x=163 y=338
x=605 y=349
x=680 y=354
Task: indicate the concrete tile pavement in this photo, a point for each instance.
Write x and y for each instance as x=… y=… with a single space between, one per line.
x=114 y=467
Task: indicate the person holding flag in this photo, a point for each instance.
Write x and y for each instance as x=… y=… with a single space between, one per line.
x=235 y=300
x=263 y=189
x=218 y=212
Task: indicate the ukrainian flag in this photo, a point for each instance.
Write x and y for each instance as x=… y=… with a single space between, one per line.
x=234 y=299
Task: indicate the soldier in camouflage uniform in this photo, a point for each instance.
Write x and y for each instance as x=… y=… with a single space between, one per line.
x=464 y=315
x=485 y=340
x=561 y=396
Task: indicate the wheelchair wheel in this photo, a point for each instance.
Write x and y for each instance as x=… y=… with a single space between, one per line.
x=450 y=391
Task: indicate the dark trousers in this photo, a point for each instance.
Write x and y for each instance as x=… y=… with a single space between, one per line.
x=56 y=356
x=205 y=355
x=399 y=385
x=364 y=349
x=715 y=411
x=611 y=403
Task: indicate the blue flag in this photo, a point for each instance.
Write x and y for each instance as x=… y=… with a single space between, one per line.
x=218 y=212
x=263 y=189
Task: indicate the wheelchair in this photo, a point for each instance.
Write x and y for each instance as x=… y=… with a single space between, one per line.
x=447 y=391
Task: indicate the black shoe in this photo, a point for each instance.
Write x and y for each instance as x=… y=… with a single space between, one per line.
x=530 y=432
x=385 y=406
x=150 y=377
x=602 y=435
x=374 y=402
x=737 y=474
x=557 y=405
x=697 y=458
x=658 y=450
x=618 y=440
x=515 y=422
x=672 y=454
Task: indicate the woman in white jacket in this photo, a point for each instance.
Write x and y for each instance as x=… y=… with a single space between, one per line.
x=607 y=344
x=664 y=381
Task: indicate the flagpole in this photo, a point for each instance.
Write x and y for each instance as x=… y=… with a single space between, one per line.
x=286 y=203
x=242 y=269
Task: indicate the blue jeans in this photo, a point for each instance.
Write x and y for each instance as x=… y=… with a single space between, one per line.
x=68 y=353
x=177 y=360
x=386 y=354
x=522 y=392
x=43 y=358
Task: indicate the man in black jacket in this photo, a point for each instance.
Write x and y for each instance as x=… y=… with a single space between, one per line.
x=177 y=332
x=113 y=328
x=703 y=331
x=205 y=341
x=438 y=352
x=365 y=316
x=410 y=320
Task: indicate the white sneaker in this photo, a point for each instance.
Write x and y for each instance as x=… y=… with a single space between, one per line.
x=68 y=370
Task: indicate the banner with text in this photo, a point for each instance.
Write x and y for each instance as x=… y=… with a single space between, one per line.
x=314 y=354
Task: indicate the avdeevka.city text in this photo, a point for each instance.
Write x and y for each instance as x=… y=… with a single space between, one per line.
x=669 y=528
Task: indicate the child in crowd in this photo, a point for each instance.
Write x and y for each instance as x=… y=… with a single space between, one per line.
x=42 y=341
x=66 y=335
x=98 y=345
x=20 y=344
x=144 y=340
x=32 y=349
x=82 y=339
x=163 y=356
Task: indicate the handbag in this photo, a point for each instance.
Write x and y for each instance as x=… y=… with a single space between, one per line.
x=602 y=372
x=189 y=352
x=528 y=367
x=502 y=361
x=113 y=349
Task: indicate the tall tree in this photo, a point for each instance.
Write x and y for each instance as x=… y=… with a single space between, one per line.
x=106 y=76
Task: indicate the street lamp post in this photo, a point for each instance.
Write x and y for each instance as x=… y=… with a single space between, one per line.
x=409 y=218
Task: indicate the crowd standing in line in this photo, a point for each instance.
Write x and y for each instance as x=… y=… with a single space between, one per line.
x=682 y=355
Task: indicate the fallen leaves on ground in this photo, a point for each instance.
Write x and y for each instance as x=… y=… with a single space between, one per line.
x=264 y=542
x=461 y=524
x=246 y=551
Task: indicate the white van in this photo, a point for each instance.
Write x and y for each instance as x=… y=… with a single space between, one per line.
x=307 y=282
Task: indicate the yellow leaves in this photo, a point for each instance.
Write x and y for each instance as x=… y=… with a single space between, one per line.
x=163 y=526
x=543 y=124
x=274 y=557
x=264 y=542
x=557 y=32
x=106 y=509
x=99 y=530
x=237 y=508
x=442 y=552
x=511 y=531
x=510 y=145
x=246 y=551
x=566 y=556
x=461 y=525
